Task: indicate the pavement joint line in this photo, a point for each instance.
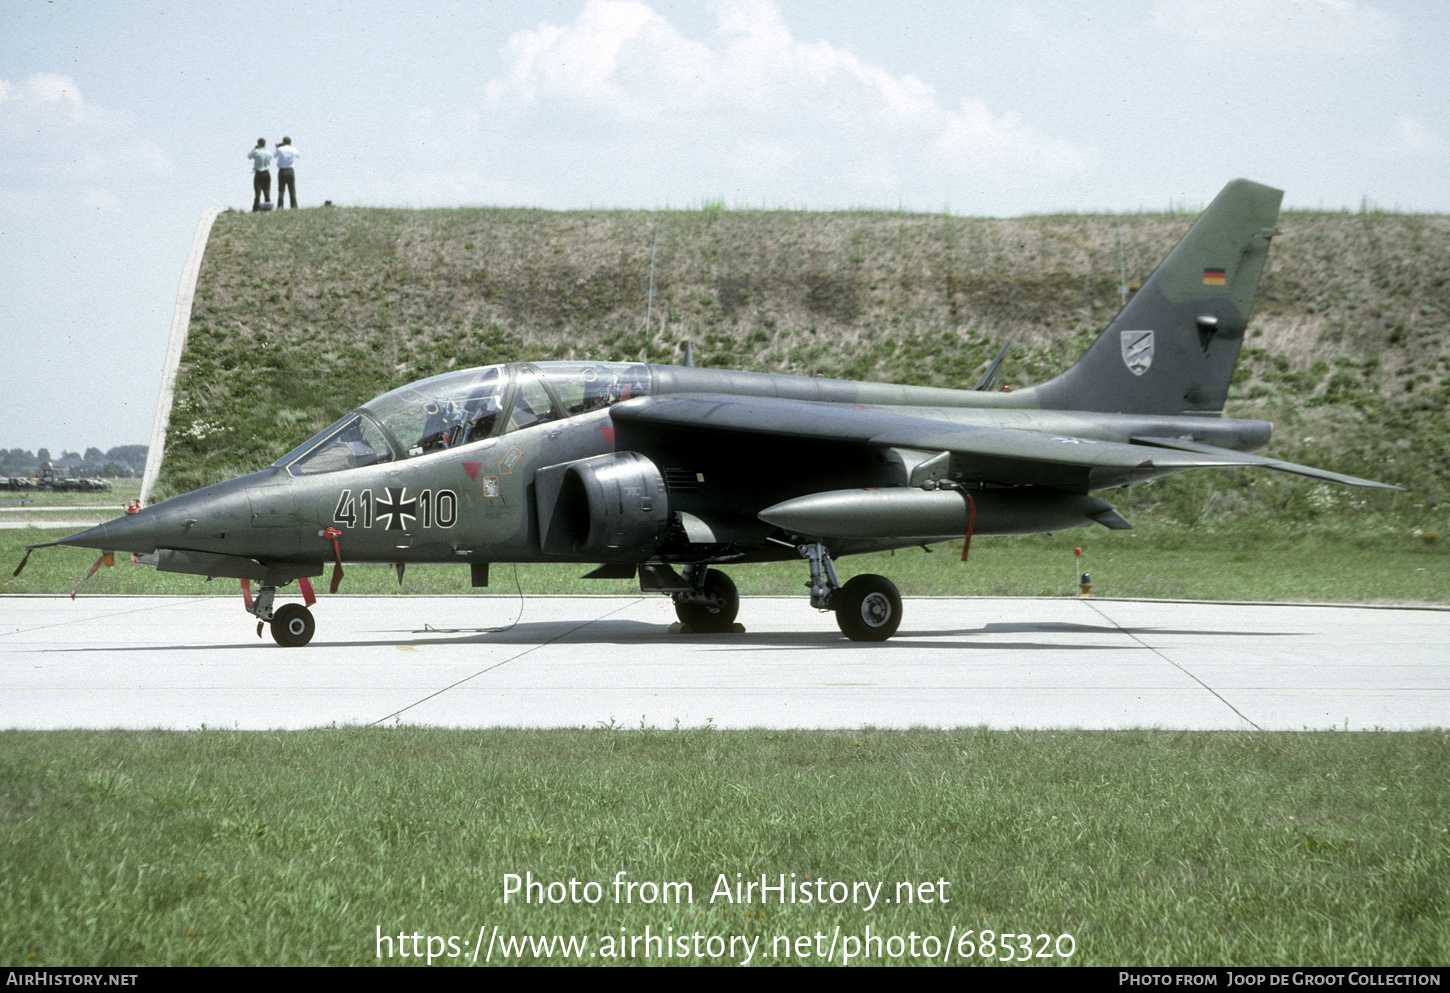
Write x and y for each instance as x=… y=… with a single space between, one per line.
x=1175 y=665
x=552 y=687
x=534 y=648
x=102 y=617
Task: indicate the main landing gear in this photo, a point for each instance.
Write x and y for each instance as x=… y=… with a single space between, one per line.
x=710 y=604
x=292 y=623
x=867 y=608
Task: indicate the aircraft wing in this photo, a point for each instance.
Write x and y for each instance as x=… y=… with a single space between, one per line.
x=1008 y=456
x=1262 y=461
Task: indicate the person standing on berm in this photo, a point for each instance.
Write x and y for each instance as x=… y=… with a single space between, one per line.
x=286 y=179
x=261 y=175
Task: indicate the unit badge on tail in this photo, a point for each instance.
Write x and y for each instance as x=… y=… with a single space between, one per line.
x=1137 y=351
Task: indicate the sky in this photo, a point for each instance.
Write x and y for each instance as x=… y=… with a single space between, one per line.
x=122 y=123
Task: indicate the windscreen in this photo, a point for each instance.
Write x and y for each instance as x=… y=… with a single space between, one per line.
x=444 y=411
x=353 y=443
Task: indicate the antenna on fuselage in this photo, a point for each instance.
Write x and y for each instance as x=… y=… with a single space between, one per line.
x=1122 y=273
x=994 y=371
x=650 y=296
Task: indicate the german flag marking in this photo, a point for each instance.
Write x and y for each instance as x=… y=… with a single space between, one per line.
x=1214 y=277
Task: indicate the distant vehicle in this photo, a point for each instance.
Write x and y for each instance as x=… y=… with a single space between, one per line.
x=53 y=479
x=668 y=473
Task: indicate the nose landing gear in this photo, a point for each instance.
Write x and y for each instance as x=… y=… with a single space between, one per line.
x=292 y=624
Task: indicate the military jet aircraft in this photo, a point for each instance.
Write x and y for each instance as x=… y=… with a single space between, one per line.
x=670 y=473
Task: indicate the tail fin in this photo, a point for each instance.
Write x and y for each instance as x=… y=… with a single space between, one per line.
x=1173 y=348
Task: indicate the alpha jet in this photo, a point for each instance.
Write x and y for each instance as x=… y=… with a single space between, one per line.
x=670 y=473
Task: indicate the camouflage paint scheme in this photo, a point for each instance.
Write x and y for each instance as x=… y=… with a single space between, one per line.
x=646 y=469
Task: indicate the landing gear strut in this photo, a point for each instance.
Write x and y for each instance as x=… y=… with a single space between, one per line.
x=868 y=608
x=292 y=624
x=710 y=605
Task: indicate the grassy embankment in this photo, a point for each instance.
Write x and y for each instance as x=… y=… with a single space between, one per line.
x=215 y=848
x=301 y=316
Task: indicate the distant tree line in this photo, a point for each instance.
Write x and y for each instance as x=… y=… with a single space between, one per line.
x=119 y=462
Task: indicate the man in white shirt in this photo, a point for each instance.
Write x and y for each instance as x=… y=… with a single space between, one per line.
x=261 y=175
x=286 y=179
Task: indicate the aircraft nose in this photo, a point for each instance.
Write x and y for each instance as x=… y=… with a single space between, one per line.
x=185 y=521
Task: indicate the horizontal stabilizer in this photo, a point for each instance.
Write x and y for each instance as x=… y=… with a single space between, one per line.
x=1262 y=462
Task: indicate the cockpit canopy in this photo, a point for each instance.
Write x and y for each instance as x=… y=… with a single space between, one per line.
x=460 y=408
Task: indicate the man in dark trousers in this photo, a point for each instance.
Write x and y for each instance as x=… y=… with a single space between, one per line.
x=261 y=175
x=286 y=179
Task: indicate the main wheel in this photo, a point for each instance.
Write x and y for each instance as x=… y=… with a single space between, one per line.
x=718 y=616
x=868 y=608
x=292 y=625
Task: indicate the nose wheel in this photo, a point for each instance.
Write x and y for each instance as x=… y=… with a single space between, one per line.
x=292 y=625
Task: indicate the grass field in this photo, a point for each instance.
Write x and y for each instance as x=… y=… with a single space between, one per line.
x=221 y=848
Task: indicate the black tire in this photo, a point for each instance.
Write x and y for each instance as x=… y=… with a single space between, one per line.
x=868 y=608
x=704 y=619
x=292 y=625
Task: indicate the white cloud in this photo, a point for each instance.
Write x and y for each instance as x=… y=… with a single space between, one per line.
x=44 y=89
x=67 y=146
x=617 y=104
x=1404 y=138
x=1413 y=137
x=1338 y=27
x=1399 y=140
x=974 y=131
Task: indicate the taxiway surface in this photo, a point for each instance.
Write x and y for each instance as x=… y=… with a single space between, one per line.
x=179 y=662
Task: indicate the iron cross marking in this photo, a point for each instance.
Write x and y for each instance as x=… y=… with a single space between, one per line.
x=395 y=508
